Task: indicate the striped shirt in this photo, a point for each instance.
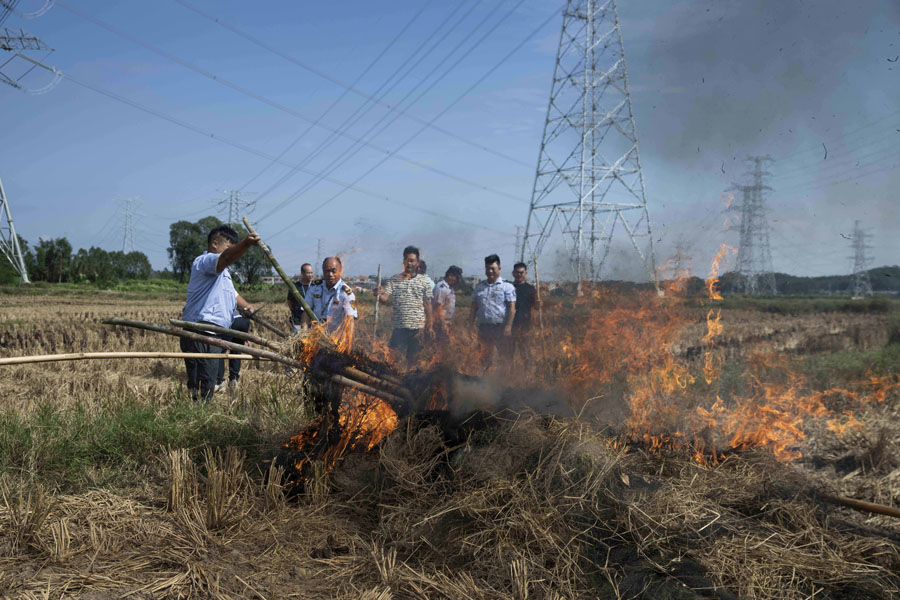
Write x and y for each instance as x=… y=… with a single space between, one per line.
x=409 y=296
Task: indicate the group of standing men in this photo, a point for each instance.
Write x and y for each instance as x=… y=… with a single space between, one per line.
x=422 y=310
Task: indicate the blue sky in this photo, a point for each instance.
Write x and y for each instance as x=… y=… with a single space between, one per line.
x=712 y=81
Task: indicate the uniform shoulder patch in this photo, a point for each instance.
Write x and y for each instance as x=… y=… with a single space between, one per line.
x=347 y=289
x=316 y=282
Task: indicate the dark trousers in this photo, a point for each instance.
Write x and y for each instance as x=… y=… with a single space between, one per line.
x=407 y=341
x=234 y=365
x=201 y=372
x=491 y=336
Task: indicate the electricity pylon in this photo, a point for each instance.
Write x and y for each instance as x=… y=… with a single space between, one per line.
x=128 y=226
x=16 y=42
x=9 y=241
x=588 y=178
x=235 y=204
x=861 y=284
x=754 y=272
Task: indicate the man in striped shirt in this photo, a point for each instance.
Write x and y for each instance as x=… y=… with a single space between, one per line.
x=411 y=306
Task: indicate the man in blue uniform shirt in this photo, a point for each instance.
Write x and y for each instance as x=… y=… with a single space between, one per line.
x=493 y=310
x=333 y=302
x=211 y=298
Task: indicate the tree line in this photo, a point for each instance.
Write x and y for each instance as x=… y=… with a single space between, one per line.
x=54 y=260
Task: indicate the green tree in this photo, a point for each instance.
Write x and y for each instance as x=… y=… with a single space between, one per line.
x=52 y=260
x=187 y=241
x=253 y=265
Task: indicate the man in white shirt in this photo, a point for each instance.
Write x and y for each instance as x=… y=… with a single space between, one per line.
x=211 y=298
x=444 y=302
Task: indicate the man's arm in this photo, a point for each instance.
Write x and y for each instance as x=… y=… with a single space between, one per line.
x=384 y=292
x=510 y=315
x=429 y=321
x=233 y=253
x=243 y=305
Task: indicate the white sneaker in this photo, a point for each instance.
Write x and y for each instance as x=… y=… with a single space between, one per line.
x=219 y=387
x=233 y=385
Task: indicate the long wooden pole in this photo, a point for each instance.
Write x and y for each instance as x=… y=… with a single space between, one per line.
x=864 y=506
x=239 y=335
x=287 y=280
x=256 y=352
x=377 y=302
x=256 y=318
x=21 y=360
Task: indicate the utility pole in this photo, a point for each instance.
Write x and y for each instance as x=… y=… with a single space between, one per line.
x=755 y=274
x=235 y=205
x=9 y=241
x=862 y=286
x=588 y=179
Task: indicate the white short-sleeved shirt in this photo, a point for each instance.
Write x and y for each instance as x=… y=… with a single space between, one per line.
x=491 y=299
x=332 y=305
x=211 y=296
x=446 y=299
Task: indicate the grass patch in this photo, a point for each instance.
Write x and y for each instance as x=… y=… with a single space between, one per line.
x=835 y=369
x=795 y=305
x=84 y=447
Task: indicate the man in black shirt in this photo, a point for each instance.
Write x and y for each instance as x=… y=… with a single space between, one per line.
x=526 y=300
x=306 y=281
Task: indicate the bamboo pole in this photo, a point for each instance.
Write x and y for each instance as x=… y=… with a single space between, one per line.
x=21 y=360
x=240 y=335
x=287 y=280
x=256 y=352
x=377 y=302
x=264 y=323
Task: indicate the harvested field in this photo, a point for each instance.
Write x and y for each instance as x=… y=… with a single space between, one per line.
x=114 y=485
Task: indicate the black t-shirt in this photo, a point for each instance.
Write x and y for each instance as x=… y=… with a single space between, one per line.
x=525 y=294
x=296 y=309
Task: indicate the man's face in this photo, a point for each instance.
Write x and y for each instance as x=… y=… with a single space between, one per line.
x=331 y=272
x=220 y=244
x=451 y=280
x=519 y=275
x=410 y=264
x=492 y=272
x=306 y=274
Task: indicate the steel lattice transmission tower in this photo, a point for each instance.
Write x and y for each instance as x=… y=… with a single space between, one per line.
x=588 y=179
x=128 y=225
x=9 y=241
x=861 y=284
x=754 y=272
x=235 y=204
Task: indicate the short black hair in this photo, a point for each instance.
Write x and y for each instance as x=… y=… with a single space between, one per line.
x=223 y=231
x=423 y=268
x=410 y=250
x=454 y=270
x=520 y=264
x=305 y=265
x=491 y=259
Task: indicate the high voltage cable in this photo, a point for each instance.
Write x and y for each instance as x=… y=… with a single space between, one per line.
x=364 y=109
x=339 y=98
x=259 y=153
x=273 y=103
x=344 y=158
x=342 y=84
x=843 y=156
x=439 y=115
x=844 y=136
x=848 y=179
x=841 y=160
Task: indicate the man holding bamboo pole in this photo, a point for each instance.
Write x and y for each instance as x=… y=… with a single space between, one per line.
x=212 y=299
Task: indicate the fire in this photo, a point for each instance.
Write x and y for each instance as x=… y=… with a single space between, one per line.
x=652 y=366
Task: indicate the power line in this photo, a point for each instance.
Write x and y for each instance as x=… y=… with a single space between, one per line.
x=268 y=101
x=9 y=240
x=754 y=270
x=328 y=110
x=439 y=115
x=344 y=158
x=366 y=107
x=340 y=83
x=259 y=153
